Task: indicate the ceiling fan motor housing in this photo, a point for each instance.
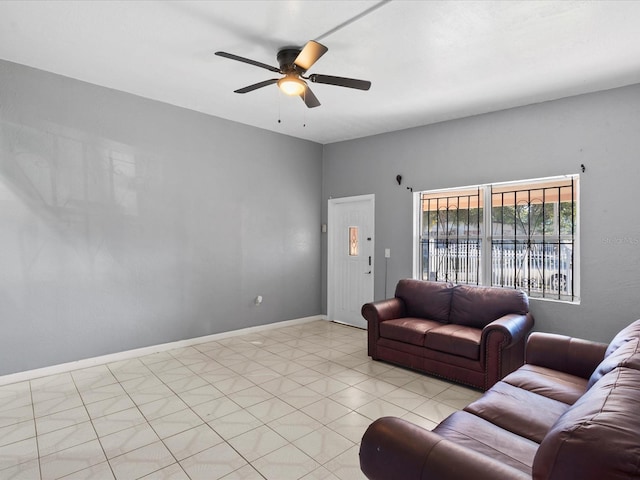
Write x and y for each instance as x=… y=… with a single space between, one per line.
x=286 y=57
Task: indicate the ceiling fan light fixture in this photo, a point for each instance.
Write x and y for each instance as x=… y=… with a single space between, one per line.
x=292 y=85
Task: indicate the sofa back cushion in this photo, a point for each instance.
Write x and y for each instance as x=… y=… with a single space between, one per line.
x=476 y=306
x=599 y=436
x=623 y=336
x=423 y=299
x=628 y=355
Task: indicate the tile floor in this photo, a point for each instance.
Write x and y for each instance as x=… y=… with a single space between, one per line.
x=286 y=403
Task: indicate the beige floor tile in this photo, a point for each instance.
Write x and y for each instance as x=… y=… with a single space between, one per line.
x=151 y=394
x=380 y=408
x=201 y=394
x=234 y=424
x=327 y=386
x=244 y=473
x=87 y=384
x=213 y=463
x=347 y=465
x=323 y=444
x=57 y=404
x=325 y=410
x=286 y=462
x=24 y=471
x=270 y=410
x=175 y=374
x=118 y=421
x=300 y=397
x=162 y=407
x=320 y=474
x=216 y=408
x=426 y=386
x=18 y=452
x=376 y=387
x=16 y=432
x=353 y=398
x=190 y=442
x=457 y=397
x=186 y=384
x=127 y=440
x=64 y=438
x=172 y=472
x=306 y=376
x=109 y=406
x=175 y=423
x=434 y=411
x=352 y=426
x=14 y=395
x=71 y=460
x=280 y=385
x=420 y=421
x=404 y=398
x=142 y=461
x=59 y=420
x=101 y=471
x=103 y=392
x=250 y=396
x=294 y=425
x=257 y=442
x=141 y=382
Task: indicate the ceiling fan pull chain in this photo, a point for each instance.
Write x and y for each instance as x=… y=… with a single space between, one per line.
x=279 y=97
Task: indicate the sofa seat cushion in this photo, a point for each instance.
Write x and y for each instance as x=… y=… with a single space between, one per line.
x=599 y=436
x=407 y=330
x=522 y=412
x=455 y=339
x=554 y=384
x=477 y=434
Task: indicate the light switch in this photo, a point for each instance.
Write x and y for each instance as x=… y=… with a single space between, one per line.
x=387 y=253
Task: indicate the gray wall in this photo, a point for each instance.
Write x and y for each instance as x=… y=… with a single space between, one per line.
x=601 y=131
x=126 y=222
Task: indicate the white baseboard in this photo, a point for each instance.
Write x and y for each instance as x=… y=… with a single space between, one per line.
x=138 y=352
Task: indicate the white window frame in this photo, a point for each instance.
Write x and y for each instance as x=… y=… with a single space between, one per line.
x=487 y=238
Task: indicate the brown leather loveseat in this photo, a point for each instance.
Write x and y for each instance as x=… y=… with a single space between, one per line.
x=571 y=412
x=470 y=334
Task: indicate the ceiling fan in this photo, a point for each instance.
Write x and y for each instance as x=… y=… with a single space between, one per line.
x=294 y=63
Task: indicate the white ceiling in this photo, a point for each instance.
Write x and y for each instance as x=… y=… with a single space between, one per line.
x=428 y=61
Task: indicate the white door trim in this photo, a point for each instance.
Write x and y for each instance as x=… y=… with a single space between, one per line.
x=331 y=247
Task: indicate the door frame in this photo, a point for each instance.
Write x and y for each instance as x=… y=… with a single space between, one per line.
x=332 y=202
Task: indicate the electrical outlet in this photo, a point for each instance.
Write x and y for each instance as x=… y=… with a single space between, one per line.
x=387 y=253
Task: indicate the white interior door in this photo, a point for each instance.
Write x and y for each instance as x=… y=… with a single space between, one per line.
x=350 y=268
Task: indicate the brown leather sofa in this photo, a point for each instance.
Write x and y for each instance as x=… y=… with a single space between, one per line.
x=470 y=334
x=571 y=412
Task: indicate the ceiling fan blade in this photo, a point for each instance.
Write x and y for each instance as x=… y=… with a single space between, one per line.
x=341 y=81
x=309 y=98
x=309 y=55
x=231 y=56
x=256 y=86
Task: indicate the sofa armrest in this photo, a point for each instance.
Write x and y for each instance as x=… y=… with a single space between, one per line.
x=383 y=310
x=392 y=448
x=376 y=312
x=502 y=345
x=514 y=327
x=566 y=354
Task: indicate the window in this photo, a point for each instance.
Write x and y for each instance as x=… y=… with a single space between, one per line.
x=526 y=237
